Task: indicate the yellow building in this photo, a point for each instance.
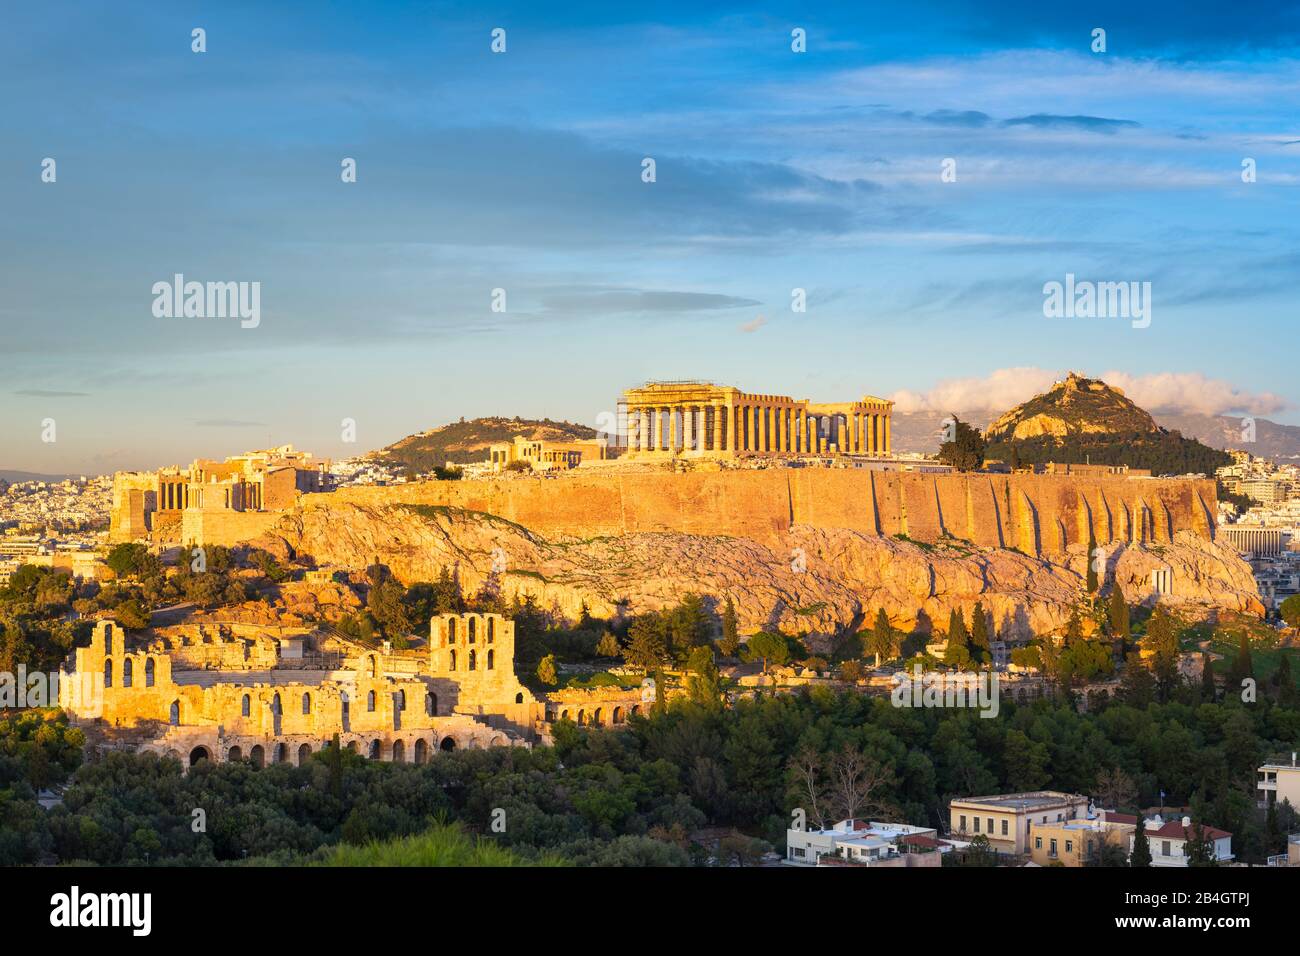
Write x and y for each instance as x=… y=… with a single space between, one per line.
x=1077 y=842
x=546 y=455
x=670 y=419
x=1005 y=819
x=1279 y=781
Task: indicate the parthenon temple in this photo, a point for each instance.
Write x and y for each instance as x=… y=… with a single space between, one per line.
x=669 y=419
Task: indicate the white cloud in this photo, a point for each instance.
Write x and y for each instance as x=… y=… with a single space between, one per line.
x=1181 y=392
x=1162 y=392
x=995 y=393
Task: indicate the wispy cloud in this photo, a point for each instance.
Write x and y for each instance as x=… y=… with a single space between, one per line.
x=1095 y=124
x=601 y=301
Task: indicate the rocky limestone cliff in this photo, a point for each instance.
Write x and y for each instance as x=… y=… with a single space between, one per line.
x=822 y=581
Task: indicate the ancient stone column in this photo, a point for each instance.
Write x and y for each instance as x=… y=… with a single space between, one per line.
x=886 y=420
x=717 y=427
x=672 y=429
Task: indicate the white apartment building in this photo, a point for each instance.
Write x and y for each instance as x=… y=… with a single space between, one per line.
x=871 y=843
x=1168 y=841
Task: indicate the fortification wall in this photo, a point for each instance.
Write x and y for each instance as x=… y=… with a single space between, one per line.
x=1038 y=514
x=225 y=527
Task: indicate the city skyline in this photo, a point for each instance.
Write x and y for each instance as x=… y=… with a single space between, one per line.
x=523 y=171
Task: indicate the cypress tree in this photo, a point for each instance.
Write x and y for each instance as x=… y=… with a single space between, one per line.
x=1286 y=690
x=730 y=642
x=882 y=636
x=957 y=628
x=1120 y=627
x=1209 y=690
x=981 y=641
x=1243 y=667
x=1092 y=569
x=1141 y=855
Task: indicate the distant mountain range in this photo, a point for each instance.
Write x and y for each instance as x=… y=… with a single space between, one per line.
x=14 y=477
x=1228 y=431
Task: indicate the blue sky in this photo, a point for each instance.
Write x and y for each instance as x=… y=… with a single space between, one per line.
x=775 y=170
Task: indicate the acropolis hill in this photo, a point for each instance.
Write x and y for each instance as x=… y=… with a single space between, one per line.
x=810 y=550
x=796 y=510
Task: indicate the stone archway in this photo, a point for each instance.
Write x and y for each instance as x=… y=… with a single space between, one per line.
x=200 y=754
x=399 y=751
x=257 y=755
x=376 y=750
x=448 y=744
x=281 y=753
x=304 y=753
x=235 y=753
x=421 y=751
